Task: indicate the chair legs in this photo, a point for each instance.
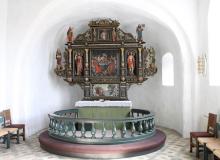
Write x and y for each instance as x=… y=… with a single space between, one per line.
x=18 y=137
x=205 y=156
x=197 y=148
x=191 y=143
x=24 y=134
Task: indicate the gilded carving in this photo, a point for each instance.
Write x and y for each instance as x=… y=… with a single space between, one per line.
x=105 y=60
x=149 y=62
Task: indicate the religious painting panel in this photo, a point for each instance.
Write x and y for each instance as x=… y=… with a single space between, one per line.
x=105 y=90
x=104 y=62
x=104 y=34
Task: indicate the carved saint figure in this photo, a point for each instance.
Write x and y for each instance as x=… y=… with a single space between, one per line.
x=59 y=59
x=139 y=31
x=131 y=63
x=114 y=35
x=79 y=64
x=70 y=36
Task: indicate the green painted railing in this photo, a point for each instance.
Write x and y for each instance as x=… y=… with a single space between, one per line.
x=67 y=126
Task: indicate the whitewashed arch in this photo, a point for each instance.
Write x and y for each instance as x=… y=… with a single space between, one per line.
x=51 y=15
x=213 y=43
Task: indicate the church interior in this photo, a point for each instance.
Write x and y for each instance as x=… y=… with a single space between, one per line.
x=109 y=79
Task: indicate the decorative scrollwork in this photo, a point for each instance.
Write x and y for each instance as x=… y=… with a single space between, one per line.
x=149 y=62
x=104 y=22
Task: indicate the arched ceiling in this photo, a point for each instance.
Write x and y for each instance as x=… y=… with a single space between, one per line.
x=48 y=31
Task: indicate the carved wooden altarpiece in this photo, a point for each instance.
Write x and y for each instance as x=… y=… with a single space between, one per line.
x=105 y=61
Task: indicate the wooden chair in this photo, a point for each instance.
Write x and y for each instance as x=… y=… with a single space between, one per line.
x=216 y=154
x=211 y=132
x=8 y=123
x=211 y=147
x=6 y=133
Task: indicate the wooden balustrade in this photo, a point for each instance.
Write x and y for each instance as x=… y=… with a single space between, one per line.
x=66 y=125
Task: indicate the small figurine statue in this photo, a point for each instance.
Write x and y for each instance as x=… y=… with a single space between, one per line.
x=59 y=59
x=131 y=63
x=79 y=64
x=70 y=36
x=114 y=36
x=139 y=31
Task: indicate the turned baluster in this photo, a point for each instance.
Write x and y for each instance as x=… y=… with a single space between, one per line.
x=144 y=126
x=124 y=130
x=74 y=130
x=153 y=123
x=54 y=125
x=51 y=125
x=83 y=131
x=59 y=127
x=132 y=129
x=150 y=125
x=140 y=127
x=147 y=125
x=62 y=127
x=113 y=130
x=93 y=131
x=103 y=129
x=65 y=128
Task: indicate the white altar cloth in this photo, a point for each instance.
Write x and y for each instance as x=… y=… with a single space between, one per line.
x=103 y=103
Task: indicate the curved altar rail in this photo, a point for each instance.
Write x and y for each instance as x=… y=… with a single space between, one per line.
x=67 y=126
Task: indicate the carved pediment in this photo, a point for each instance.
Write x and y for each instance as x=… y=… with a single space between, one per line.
x=104 y=31
x=127 y=37
x=87 y=36
x=104 y=23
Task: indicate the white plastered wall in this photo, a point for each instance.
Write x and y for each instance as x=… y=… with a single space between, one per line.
x=37 y=28
x=3 y=63
x=208 y=96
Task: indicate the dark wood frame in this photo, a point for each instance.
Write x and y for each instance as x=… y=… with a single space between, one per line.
x=117 y=56
x=105 y=97
x=90 y=41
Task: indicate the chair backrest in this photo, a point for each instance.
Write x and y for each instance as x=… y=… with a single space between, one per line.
x=2 y=121
x=7 y=115
x=212 y=124
x=218 y=130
